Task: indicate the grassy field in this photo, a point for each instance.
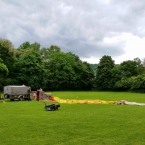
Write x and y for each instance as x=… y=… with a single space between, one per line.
x=26 y=122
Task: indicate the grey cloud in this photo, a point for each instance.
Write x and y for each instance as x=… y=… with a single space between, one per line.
x=75 y=26
x=83 y=48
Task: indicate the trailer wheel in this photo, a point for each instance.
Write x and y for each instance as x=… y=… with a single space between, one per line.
x=6 y=96
x=21 y=98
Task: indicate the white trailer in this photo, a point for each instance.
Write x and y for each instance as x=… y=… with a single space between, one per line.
x=16 y=92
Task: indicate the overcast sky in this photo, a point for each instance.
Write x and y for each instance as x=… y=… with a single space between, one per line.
x=88 y=28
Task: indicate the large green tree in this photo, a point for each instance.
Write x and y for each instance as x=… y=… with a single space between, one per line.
x=3 y=73
x=87 y=77
x=103 y=73
x=138 y=83
x=3 y=69
x=116 y=76
x=131 y=68
x=67 y=72
x=61 y=71
x=124 y=76
x=7 y=54
x=84 y=75
x=47 y=52
x=35 y=46
x=124 y=84
x=6 y=43
x=25 y=45
x=30 y=70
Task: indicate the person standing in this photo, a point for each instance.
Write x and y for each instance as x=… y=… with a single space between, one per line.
x=29 y=93
x=41 y=94
x=37 y=95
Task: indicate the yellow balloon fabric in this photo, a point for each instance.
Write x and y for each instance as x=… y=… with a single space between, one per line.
x=69 y=101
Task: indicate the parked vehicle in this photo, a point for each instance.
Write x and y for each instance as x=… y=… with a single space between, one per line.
x=16 y=92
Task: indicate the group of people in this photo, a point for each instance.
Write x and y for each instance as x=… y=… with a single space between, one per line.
x=38 y=95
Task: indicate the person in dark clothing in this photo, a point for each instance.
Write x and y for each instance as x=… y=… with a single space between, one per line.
x=29 y=93
x=37 y=94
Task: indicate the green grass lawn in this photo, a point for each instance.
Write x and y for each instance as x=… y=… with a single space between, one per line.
x=26 y=122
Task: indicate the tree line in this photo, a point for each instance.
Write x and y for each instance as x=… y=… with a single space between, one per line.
x=52 y=69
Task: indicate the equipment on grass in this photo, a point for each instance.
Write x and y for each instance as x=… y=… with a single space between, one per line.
x=13 y=92
x=51 y=107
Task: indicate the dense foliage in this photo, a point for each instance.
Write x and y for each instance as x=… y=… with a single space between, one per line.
x=103 y=73
x=52 y=69
x=48 y=68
